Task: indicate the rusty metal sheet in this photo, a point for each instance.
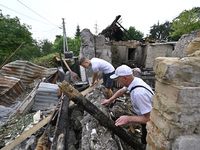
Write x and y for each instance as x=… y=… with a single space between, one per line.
x=26 y=71
x=10 y=89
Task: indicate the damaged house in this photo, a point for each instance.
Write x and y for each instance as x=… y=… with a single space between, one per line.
x=74 y=119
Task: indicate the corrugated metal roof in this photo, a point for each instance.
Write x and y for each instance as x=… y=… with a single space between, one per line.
x=10 y=89
x=46 y=96
x=26 y=71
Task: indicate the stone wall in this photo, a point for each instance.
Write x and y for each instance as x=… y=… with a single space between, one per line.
x=157 y=50
x=93 y=46
x=176 y=104
x=182 y=44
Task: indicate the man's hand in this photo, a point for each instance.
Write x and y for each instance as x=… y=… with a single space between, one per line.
x=54 y=56
x=122 y=120
x=105 y=102
x=93 y=83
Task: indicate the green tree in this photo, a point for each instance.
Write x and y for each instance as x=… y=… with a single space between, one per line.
x=187 y=21
x=12 y=34
x=134 y=34
x=28 y=52
x=73 y=45
x=160 y=31
x=46 y=47
x=78 y=33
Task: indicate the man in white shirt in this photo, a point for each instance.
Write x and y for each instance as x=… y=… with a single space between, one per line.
x=97 y=65
x=141 y=98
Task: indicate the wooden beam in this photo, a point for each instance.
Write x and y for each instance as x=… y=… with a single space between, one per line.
x=61 y=134
x=86 y=91
x=25 y=135
x=80 y=100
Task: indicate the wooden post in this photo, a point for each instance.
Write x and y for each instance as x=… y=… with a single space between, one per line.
x=80 y=100
x=61 y=134
x=11 y=55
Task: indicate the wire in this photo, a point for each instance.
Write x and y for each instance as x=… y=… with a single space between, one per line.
x=38 y=14
x=47 y=35
x=23 y=14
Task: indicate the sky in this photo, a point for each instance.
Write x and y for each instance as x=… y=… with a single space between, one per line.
x=45 y=16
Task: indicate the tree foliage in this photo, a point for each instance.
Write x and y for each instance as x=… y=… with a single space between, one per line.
x=133 y=34
x=73 y=45
x=78 y=33
x=160 y=31
x=27 y=52
x=187 y=21
x=12 y=34
x=46 y=47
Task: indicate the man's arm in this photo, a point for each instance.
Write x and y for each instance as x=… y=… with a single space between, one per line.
x=133 y=119
x=94 y=78
x=55 y=56
x=116 y=95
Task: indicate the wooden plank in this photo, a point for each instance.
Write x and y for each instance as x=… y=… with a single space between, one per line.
x=86 y=91
x=25 y=104
x=25 y=135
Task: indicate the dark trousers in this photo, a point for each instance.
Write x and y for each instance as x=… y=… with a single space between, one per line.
x=144 y=134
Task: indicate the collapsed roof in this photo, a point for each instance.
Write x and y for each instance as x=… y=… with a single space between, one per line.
x=116 y=31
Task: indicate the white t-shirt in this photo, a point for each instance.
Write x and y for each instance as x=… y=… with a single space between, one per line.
x=141 y=98
x=101 y=65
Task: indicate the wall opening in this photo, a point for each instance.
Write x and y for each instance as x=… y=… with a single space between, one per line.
x=131 y=53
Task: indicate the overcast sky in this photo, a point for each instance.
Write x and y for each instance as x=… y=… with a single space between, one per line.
x=45 y=16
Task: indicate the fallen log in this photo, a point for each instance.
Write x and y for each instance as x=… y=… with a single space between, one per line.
x=80 y=100
x=61 y=135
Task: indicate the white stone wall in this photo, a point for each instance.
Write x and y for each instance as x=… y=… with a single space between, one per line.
x=157 y=50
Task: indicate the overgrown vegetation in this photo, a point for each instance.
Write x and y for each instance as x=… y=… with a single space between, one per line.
x=46 y=61
x=115 y=56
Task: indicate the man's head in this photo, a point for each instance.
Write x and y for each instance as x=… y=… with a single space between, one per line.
x=124 y=75
x=84 y=62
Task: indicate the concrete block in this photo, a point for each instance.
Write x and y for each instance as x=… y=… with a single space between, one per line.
x=191 y=142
